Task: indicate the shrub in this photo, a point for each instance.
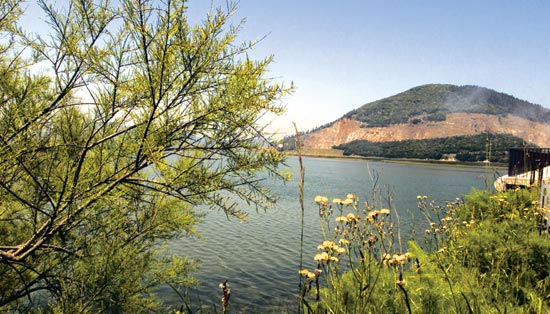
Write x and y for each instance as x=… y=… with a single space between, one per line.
x=482 y=254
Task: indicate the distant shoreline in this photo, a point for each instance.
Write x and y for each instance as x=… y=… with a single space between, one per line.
x=403 y=160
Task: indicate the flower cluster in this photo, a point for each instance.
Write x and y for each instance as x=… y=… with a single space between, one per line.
x=349 y=218
x=469 y=224
x=321 y=200
x=310 y=275
x=501 y=200
x=360 y=236
x=373 y=214
x=351 y=199
x=329 y=249
x=445 y=225
x=395 y=259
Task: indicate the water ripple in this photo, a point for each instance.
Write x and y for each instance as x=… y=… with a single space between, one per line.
x=261 y=259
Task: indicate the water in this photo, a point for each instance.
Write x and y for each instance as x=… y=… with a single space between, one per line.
x=261 y=258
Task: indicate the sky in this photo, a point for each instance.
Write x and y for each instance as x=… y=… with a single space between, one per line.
x=344 y=54
x=341 y=55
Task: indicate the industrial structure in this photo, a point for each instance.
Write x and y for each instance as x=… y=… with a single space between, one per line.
x=526 y=167
x=529 y=167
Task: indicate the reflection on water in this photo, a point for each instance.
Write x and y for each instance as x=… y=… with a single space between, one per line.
x=261 y=259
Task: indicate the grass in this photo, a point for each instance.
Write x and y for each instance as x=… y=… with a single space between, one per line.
x=482 y=254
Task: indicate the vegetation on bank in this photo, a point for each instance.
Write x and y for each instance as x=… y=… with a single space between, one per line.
x=485 y=253
x=133 y=118
x=469 y=148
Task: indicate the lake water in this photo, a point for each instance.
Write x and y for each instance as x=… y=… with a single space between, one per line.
x=261 y=258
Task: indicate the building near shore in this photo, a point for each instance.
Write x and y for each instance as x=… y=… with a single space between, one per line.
x=526 y=167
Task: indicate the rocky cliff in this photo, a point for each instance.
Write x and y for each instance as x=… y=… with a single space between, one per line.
x=346 y=130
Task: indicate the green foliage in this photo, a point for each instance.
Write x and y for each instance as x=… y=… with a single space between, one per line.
x=504 y=247
x=485 y=254
x=471 y=148
x=432 y=103
x=136 y=118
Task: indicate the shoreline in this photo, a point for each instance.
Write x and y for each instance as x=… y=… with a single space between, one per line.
x=403 y=160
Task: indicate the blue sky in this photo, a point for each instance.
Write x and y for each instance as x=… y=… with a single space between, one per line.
x=343 y=54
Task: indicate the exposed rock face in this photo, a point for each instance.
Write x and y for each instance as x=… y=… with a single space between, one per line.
x=347 y=130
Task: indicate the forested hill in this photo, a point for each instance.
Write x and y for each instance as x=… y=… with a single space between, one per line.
x=433 y=102
x=434 y=111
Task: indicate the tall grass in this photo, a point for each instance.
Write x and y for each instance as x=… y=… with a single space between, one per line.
x=480 y=254
x=301 y=200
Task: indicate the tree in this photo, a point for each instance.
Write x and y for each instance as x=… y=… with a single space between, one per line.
x=138 y=118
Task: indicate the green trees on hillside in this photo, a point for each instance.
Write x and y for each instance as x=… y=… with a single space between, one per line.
x=434 y=101
x=134 y=118
x=492 y=147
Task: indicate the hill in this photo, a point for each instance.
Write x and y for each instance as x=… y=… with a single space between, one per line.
x=434 y=102
x=435 y=111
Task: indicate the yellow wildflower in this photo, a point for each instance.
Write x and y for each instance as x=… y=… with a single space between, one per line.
x=321 y=199
x=341 y=219
x=337 y=201
x=399 y=259
x=386 y=258
x=385 y=211
x=373 y=214
x=370 y=240
x=321 y=257
x=351 y=216
x=327 y=245
x=343 y=242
